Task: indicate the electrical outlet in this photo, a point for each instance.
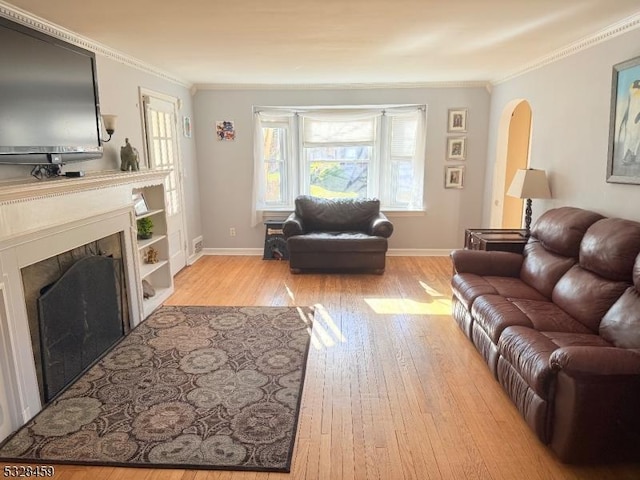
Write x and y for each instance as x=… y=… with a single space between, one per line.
x=232 y=232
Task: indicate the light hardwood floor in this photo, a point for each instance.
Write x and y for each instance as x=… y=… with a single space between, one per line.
x=393 y=389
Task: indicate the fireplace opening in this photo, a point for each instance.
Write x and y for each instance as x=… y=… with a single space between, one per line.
x=77 y=309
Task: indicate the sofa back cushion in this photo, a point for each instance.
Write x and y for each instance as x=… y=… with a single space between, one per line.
x=560 y=230
x=541 y=268
x=606 y=269
x=586 y=296
x=554 y=246
x=319 y=214
x=610 y=247
x=621 y=324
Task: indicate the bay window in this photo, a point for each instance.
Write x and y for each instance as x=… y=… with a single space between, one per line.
x=344 y=152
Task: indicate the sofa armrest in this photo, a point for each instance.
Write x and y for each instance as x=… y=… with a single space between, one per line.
x=580 y=361
x=595 y=414
x=482 y=262
x=381 y=226
x=293 y=225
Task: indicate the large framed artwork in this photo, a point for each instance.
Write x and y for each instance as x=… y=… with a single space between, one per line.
x=623 y=163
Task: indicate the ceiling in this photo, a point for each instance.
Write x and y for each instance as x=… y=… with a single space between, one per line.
x=308 y=42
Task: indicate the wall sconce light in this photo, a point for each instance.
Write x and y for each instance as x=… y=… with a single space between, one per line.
x=529 y=184
x=109 y=125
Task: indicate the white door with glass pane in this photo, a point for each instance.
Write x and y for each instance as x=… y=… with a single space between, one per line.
x=162 y=148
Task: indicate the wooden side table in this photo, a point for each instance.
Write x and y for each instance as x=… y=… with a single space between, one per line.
x=275 y=245
x=505 y=240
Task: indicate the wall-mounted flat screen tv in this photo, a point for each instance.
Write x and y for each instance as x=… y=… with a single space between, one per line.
x=49 y=104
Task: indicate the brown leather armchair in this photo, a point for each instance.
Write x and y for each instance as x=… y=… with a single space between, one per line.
x=337 y=235
x=559 y=327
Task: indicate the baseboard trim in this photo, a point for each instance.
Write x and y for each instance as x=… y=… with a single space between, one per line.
x=392 y=252
x=419 y=252
x=194 y=258
x=233 y=251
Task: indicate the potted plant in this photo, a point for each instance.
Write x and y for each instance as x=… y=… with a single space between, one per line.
x=145 y=228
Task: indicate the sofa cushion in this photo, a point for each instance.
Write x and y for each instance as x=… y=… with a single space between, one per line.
x=495 y=313
x=319 y=214
x=621 y=324
x=469 y=286
x=548 y=317
x=541 y=268
x=333 y=242
x=586 y=296
x=566 y=339
x=514 y=288
x=560 y=230
x=610 y=248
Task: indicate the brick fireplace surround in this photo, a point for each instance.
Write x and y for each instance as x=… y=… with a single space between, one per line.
x=42 y=219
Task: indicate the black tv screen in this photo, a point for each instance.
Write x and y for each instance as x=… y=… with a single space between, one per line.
x=49 y=107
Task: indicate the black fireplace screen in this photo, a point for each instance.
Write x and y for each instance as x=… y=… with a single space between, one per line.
x=79 y=320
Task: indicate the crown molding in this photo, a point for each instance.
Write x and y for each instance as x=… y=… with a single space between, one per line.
x=25 y=18
x=619 y=28
x=336 y=86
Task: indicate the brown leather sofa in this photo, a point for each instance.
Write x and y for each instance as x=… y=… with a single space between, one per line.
x=337 y=235
x=559 y=327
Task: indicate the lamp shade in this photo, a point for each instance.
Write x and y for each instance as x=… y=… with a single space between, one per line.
x=529 y=183
x=109 y=123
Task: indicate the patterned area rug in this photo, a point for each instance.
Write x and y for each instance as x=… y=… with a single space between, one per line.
x=191 y=387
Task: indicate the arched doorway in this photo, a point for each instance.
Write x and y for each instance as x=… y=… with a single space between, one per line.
x=514 y=134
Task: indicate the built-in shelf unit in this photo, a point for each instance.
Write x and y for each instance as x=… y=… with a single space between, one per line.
x=158 y=273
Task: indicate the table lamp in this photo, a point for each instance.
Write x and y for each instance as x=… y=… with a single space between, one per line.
x=529 y=183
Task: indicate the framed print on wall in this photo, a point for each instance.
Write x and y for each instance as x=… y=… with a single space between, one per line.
x=225 y=130
x=456 y=148
x=457 y=120
x=623 y=162
x=454 y=177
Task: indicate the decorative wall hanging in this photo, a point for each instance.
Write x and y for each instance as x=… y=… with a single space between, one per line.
x=225 y=130
x=456 y=148
x=623 y=164
x=454 y=177
x=457 y=120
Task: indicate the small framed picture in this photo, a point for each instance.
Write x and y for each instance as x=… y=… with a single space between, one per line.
x=454 y=177
x=457 y=120
x=456 y=148
x=186 y=126
x=140 y=204
x=225 y=130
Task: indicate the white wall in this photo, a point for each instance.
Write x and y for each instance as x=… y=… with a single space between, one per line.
x=226 y=168
x=119 y=94
x=570 y=102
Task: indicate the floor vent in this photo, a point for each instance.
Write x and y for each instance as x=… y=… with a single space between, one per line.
x=197 y=245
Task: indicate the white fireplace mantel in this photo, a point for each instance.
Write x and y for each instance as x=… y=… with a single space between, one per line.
x=41 y=219
x=31 y=205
